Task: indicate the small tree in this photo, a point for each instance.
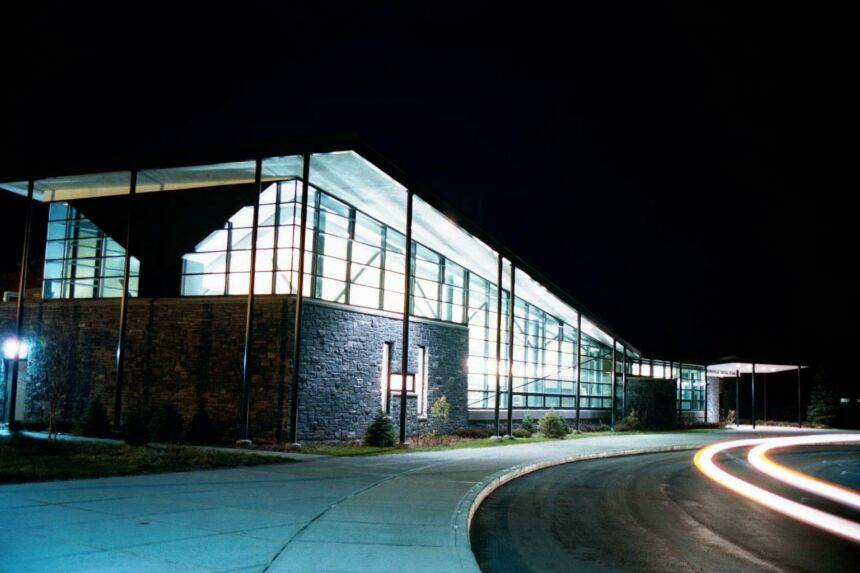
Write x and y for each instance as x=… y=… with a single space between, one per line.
x=629 y=423
x=552 y=425
x=95 y=420
x=528 y=424
x=201 y=430
x=380 y=432
x=822 y=406
x=440 y=410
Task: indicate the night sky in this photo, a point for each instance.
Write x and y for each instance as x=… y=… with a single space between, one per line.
x=674 y=167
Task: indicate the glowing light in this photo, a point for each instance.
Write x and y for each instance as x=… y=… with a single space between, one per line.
x=759 y=460
x=704 y=461
x=13 y=347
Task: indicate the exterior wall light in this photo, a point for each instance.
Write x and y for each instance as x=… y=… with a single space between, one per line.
x=13 y=346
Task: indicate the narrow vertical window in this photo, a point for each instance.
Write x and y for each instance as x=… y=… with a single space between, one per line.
x=385 y=381
x=421 y=381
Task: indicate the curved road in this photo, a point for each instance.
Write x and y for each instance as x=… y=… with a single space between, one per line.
x=656 y=512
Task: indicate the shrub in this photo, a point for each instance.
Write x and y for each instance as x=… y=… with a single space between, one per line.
x=200 y=429
x=95 y=420
x=552 y=425
x=135 y=432
x=165 y=424
x=474 y=433
x=599 y=427
x=521 y=433
x=731 y=416
x=380 y=432
x=630 y=423
x=440 y=409
x=528 y=424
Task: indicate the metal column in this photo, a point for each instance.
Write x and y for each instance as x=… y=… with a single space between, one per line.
x=680 y=392
x=498 y=343
x=407 y=288
x=19 y=307
x=123 y=306
x=578 y=365
x=612 y=389
x=624 y=384
x=752 y=392
x=511 y=305
x=706 y=394
x=764 y=381
x=293 y=434
x=799 y=415
x=245 y=411
x=737 y=398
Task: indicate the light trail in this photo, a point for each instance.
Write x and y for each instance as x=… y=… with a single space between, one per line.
x=704 y=461
x=759 y=460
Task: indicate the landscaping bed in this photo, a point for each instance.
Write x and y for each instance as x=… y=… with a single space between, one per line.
x=24 y=459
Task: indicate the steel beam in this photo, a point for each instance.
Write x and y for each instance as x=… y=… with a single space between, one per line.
x=123 y=305
x=407 y=291
x=19 y=306
x=293 y=434
x=498 y=344
x=245 y=411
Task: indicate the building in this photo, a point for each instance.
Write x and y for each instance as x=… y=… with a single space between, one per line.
x=182 y=285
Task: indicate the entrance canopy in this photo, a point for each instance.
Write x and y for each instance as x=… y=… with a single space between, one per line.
x=731 y=369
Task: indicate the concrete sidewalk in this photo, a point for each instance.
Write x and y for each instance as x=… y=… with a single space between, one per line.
x=405 y=512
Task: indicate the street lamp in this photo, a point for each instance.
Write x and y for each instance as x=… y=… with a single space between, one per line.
x=15 y=351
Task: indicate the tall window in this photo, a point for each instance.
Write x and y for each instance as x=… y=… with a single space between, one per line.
x=221 y=263
x=421 y=381
x=81 y=261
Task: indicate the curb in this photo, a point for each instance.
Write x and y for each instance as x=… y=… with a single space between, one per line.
x=469 y=504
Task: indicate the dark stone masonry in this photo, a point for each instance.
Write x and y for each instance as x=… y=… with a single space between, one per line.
x=188 y=352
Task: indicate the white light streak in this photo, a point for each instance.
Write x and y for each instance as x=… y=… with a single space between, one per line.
x=759 y=460
x=704 y=461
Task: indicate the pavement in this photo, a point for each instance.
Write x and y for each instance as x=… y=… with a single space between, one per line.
x=378 y=513
x=658 y=513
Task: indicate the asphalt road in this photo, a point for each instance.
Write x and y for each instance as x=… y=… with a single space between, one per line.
x=657 y=512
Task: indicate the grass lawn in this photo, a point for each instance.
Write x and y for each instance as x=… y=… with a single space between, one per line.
x=25 y=459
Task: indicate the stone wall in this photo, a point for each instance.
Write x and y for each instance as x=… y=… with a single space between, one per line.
x=341 y=370
x=184 y=351
x=188 y=352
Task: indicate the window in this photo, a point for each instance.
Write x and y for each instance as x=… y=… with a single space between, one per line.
x=397 y=383
x=81 y=261
x=421 y=381
x=385 y=381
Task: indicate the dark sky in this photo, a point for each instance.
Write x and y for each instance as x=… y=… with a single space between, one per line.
x=674 y=167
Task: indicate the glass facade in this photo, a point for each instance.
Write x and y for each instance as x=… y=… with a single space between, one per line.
x=691 y=394
x=355 y=253
x=81 y=261
x=221 y=263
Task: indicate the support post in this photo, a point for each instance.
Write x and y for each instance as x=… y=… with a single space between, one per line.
x=245 y=412
x=407 y=288
x=498 y=344
x=293 y=436
x=19 y=307
x=624 y=384
x=737 y=398
x=706 y=393
x=764 y=401
x=123 y=306
x=799 y=415
x=752 y=393
x=680 y=392
x=578 y=366
x=612 y=389
x=511 y=307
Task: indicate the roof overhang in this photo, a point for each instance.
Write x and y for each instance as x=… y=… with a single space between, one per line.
x=732 y=369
